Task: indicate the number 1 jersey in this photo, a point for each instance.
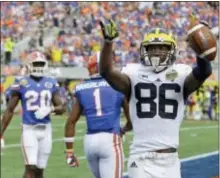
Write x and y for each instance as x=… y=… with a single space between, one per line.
x=101 y=105
x=34 y=95
x=156 y=106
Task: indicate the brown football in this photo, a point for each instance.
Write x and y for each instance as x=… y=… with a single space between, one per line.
x=202 y=41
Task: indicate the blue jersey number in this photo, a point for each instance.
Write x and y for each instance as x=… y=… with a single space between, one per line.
x=32 y=97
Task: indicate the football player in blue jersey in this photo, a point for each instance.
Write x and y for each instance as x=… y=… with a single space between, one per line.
x=39 y=97
x=8 y=95
x=102 y=107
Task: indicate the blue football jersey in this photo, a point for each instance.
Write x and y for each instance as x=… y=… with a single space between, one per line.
x=8 y=90
x=101 y=105
x=33 y=95
x=8 y=93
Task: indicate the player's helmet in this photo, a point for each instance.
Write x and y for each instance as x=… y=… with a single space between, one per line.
x=158 y=49
x=36 y=64
x=92 y=65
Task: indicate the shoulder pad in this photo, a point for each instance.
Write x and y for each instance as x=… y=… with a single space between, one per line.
x=129 y=68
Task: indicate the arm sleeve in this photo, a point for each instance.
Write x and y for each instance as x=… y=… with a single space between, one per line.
x=202 y=70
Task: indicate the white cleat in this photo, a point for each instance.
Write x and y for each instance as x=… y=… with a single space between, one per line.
x=2 y=143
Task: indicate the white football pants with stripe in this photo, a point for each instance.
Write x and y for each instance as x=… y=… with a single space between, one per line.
x=36 y=141
x=104 y=152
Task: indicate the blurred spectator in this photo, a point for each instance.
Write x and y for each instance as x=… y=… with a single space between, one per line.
x=56 y=54
x=214 y=4
x=8 y=48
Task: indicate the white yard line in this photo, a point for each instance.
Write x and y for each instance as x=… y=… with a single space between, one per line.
x=81 y=137
x=84 y=122
x=54 y=125
x=199 y=156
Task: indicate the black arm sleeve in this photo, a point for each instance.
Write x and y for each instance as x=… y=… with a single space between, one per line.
x=202 y=70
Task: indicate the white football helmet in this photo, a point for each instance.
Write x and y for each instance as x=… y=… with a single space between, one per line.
x=37 y=64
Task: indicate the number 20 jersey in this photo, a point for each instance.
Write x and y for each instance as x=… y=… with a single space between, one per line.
x=34 y=95
x=156 y=106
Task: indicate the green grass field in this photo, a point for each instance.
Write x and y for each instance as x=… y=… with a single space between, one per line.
x=196 y=137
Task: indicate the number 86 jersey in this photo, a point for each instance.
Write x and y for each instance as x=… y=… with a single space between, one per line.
x=35 y=95
x=156 y=106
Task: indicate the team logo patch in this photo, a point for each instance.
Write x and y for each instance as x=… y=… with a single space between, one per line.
x=133 y=165
x=23 y=82
x=48 y=85
x=143 y=77
x=171 y=75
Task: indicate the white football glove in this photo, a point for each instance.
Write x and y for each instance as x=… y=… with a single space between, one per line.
x=43 y=112
x=2 y=143
x=71 y=160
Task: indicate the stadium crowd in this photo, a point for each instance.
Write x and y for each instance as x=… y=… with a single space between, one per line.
x=203 y=104
x=68 y=32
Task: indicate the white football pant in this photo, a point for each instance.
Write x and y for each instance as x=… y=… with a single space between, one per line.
x=36 y=141
x=154 y=165
x=104 y=152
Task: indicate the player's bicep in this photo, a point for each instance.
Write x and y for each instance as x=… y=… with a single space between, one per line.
x=76 y=111
x=119 y=81
x=191 y=84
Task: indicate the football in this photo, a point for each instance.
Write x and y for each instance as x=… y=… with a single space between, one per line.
x=202 y=40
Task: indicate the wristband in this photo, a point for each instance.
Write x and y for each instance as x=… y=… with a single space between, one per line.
x=69 y=139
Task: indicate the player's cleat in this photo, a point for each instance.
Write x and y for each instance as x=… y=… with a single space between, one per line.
x=2 y=143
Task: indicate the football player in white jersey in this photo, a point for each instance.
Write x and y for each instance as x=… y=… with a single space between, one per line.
x=156 y=90
x=39 y=97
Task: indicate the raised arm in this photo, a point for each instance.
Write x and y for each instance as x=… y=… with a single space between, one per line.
x=203 y=67
x=115 y=78
x=197 y=77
